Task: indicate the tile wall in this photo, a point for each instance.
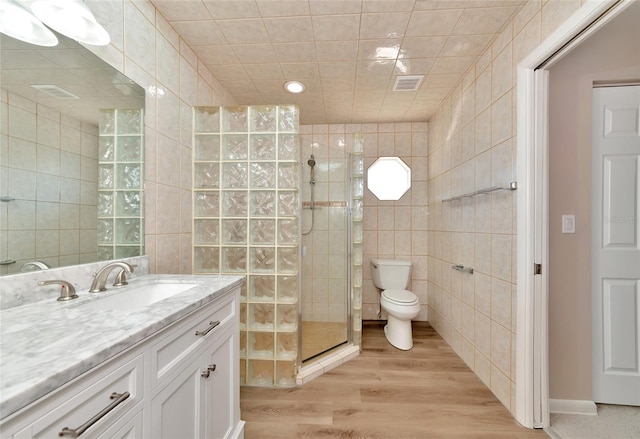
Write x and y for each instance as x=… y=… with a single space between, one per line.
x=472 y=145
x=148 y=50
x=50 y=164
x=396 y=229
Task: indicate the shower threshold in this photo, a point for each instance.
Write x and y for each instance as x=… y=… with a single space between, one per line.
x=324 y=363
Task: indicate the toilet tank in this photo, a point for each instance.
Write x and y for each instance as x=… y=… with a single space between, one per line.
x=391 y=274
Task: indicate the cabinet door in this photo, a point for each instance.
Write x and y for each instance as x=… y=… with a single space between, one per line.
x=176 y=409
x=222 y=405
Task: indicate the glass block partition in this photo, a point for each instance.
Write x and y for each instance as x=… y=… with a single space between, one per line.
x=357 y=194
x=246 y=214
x=120 y=184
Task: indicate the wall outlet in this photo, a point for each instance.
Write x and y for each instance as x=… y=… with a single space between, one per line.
x=568 y=224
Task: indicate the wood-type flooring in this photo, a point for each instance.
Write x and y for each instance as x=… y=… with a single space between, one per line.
x=427 y=392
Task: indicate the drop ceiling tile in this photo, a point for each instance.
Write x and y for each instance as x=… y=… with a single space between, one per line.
x=282 y=8
x=334 y=7
x=216 y=54
x=336 y=50
x=337 y=69
x=483 y=21
x=289 y=29
x=438 y=22
x=452 y=65
x=199 y=33
x=384 y=25
x=244 y=31
x=387 y=6
x=337 y=96
x=336 y=27
x=300 y=70
x=184 y=10
x=372 y=82
x=225 y=9
x=379 y=49
x=375 y=68
x=346 y=84
x=413 y=66
x=422 y=47
x=464 y=4
x=264 y=71
x=254 y=53
x=295 y=52
x=465 y=45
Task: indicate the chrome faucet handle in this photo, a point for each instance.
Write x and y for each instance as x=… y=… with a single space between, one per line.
x=121 y=277
x=67 y=291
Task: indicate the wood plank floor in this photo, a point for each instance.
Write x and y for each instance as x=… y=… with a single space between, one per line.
x=427 y=392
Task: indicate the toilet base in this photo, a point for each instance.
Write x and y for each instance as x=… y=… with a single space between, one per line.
x=398 y=333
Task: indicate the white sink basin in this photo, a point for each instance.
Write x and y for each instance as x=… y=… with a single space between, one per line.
x=137 y=297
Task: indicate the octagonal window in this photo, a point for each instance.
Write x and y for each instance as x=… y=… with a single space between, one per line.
x=389 y=178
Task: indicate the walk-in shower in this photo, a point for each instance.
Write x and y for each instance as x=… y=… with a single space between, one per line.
x=327 y=244
x=251 y=206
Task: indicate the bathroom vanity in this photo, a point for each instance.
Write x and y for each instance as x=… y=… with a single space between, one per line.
x=109 y=365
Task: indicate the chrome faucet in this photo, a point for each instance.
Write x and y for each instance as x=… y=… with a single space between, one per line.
x=34 y=265
x=67 y=291
x=100 y=278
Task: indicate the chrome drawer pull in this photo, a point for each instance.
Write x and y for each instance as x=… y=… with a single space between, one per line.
x=212 y=325
x=119 y=398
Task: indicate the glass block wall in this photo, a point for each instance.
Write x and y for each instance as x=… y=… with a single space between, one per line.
x=357 y=210
x=246 y=217
x=120 y=184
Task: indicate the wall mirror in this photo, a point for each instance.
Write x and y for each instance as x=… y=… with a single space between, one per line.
x=389 y=178
x=54 y=140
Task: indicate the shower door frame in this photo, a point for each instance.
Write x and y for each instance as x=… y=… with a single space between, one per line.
x=348 y=257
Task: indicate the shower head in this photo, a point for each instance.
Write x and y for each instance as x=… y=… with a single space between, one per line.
x=312 y=161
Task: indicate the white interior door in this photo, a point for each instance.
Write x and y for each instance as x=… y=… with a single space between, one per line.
x=616 y=245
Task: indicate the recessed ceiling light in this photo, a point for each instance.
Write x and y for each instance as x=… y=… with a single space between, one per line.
x=294 y=87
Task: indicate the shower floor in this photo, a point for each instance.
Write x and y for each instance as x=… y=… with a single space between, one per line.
x=318 y=337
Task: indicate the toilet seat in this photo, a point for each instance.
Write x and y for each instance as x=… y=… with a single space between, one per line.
x=400 y=297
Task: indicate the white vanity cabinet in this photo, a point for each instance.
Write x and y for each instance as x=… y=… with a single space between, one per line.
x=181 y=382
x=196 y=388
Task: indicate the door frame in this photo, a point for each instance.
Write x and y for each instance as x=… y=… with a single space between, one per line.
x=532 y=365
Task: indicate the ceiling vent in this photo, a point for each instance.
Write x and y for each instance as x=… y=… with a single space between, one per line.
x=408 y=83
x=55 y=91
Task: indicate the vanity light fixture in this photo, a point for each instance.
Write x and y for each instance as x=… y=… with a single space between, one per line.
x=72 y=18
x=294 y=86
x=18 y=22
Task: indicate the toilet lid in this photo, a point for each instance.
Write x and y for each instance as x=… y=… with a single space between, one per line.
x=400 y=296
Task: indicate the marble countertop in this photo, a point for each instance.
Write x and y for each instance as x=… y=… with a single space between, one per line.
x=46 y=344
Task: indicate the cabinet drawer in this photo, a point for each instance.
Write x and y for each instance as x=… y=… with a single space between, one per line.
x=185 y=338
x=71 y=411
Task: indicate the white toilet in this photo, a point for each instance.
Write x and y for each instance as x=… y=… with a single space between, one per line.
x=392 y=276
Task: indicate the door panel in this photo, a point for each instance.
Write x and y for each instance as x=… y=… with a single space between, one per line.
x=616 y=245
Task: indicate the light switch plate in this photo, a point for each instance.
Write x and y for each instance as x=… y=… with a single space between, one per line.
x=568 y=224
